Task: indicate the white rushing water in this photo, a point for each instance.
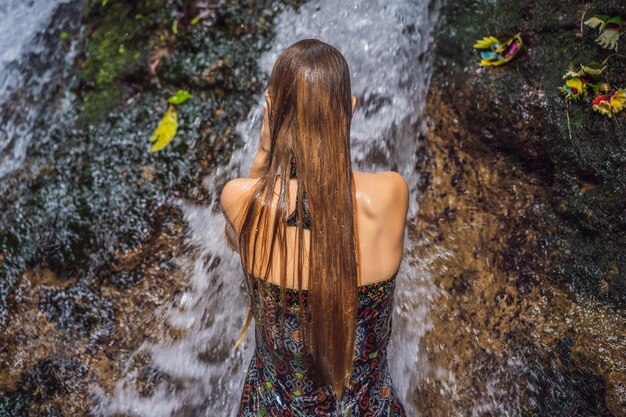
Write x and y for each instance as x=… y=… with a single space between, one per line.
x=387 y=47
x=21 y=21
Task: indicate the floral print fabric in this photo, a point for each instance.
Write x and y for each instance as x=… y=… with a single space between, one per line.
x=278 y=383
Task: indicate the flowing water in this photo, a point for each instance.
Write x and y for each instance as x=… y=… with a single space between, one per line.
x=31 y=57
x=387 y=47
x=566 y=364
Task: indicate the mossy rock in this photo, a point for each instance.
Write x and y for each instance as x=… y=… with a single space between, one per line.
x=518 y=110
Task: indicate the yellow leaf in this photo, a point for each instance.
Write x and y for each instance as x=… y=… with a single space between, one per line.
x=618 y=100
x=165 y=131
x=487 y=42
x=575 y=84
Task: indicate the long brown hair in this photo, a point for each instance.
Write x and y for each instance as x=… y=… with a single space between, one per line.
x=310 y=114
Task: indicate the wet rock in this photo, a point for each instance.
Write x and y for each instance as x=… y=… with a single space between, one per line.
x=564 y=385
x=537 y=221
x=79 y=309
x=518 y=110
x=40 y=387
x=90 y=229
x=90 y=195
x=125 y=279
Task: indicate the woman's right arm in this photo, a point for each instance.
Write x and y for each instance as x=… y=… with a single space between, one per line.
x=261 y=161
x=260 y=164
x=232 y=201
x=228 y=201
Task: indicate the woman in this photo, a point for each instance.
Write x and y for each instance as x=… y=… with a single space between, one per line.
x=320 y=247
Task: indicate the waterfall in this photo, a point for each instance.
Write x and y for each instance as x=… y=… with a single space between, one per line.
x=387 y=46
x=31 y=57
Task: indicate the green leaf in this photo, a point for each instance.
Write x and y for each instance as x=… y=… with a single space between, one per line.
x=592 y=69
x=595 y=87
x=104 y=2
x=603 y=17
x=616 y=20
x=180 y=97
x=64 y=36
x=175 y=27
x=165 y=131
x=195 y=20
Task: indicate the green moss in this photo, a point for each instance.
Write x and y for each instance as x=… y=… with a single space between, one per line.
x=116 y=51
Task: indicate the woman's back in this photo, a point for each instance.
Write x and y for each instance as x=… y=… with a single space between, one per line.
x=381 y=209
x=279 y=379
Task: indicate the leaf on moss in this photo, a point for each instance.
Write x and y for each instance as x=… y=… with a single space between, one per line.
x=488 y=42
x=180 y=97
x=495 y=53
x=592 y=70
x=608 y=38
x=596 y=22
x=609 y=105
x=609 y=30
x=618 y=100
x=574 y=88
x=616 y=19
x=597 y=87
x=165 y=131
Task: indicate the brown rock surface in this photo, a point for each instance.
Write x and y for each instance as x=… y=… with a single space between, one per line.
x=499 y=329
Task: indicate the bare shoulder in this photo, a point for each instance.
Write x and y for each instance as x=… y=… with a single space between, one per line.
x=382 y=190
x=234 y=195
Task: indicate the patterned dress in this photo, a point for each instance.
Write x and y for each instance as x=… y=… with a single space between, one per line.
x=277 y=382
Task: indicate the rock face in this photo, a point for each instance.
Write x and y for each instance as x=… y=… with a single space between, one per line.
x=89 y=226
x=531 y=319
